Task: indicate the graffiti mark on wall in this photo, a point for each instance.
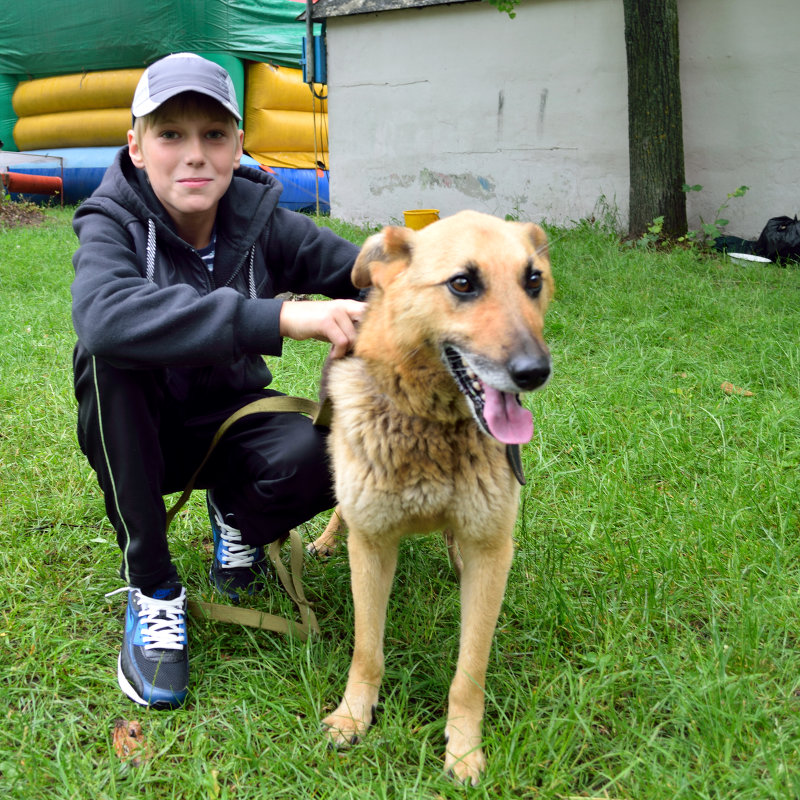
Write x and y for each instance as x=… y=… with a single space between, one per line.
x=466 y=183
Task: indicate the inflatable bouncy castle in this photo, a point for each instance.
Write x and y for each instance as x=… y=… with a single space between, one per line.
x=66 y=87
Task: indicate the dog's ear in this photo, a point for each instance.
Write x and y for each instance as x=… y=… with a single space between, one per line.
x=538 y=238
x=383 y=256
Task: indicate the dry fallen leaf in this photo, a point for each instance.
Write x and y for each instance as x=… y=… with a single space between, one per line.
x=729 y=388
x=129 y=741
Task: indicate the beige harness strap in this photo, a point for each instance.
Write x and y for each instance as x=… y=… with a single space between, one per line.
x=292 y=582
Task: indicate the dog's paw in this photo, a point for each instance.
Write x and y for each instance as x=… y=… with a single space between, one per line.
x=462 y=762
x=317 y=552
x=343 y=728
x=466 y=769
x=322 y=548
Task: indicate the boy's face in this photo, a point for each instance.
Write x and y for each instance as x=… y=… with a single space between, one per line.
x=189 y=156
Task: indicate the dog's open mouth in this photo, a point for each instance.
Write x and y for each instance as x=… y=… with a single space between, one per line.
x=499 y=414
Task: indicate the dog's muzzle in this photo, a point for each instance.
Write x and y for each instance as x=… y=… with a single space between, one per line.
x=499 y=413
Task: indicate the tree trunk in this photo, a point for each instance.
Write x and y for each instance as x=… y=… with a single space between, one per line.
x=655 y=117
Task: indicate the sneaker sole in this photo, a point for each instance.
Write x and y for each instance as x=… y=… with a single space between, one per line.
x=132 y=694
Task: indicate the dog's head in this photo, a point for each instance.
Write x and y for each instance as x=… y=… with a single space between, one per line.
x=470 y=293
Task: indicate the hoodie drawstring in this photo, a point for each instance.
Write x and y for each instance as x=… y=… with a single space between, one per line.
x=151 y=260
x=251 y=278
x=151 y=250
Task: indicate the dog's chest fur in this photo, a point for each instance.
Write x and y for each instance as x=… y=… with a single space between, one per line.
x=406 y=472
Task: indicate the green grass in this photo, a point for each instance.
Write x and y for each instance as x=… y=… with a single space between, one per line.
x=648 y=645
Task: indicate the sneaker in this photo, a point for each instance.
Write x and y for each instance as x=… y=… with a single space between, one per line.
x=237 y=568
x=153 y=665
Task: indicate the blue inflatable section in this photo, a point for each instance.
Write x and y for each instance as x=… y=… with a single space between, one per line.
x=84 y=167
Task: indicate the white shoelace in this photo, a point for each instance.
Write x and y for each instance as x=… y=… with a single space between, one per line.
x=233 y=553
x=164 y=621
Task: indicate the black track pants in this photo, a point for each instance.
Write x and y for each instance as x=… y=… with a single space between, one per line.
x=270 y=470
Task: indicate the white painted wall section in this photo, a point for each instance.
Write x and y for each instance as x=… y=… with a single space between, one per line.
x=459 y=106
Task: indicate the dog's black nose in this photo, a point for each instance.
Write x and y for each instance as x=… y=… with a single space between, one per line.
x=528 y=372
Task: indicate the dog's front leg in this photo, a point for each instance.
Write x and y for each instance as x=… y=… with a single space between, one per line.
x=483 y=582
x=372 y=566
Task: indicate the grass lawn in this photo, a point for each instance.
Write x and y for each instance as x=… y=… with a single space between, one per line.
x=648 y=646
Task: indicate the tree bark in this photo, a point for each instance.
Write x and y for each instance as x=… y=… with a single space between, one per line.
x=655 y=117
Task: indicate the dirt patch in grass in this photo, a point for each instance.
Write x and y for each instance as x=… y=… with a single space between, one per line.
x=14 y=213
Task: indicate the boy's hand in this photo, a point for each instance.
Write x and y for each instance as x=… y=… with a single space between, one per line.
x=331 y=321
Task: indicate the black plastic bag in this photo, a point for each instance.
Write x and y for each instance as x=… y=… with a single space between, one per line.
x=780 y=240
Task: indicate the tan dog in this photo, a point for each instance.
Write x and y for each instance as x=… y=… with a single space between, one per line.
x=422 y=418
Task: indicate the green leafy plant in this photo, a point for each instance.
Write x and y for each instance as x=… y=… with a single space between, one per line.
x=506 y=6
x=711 y=230
x=653 y=234
x=650 y=238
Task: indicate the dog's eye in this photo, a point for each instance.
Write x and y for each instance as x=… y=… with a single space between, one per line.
x=534 y=283
x=462 y=286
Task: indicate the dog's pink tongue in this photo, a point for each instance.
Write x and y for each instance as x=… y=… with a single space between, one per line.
x=508 y=421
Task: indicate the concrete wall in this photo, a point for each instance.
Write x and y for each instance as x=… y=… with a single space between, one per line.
x=740 y=79
x=459 y=106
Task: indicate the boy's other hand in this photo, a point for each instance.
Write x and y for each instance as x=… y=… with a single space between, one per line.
x=331 y=321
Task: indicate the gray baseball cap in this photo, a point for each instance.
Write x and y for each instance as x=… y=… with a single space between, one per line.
x=183 y=72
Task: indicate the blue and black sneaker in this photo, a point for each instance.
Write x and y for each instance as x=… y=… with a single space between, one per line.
x=153 y=666
x=237 y=568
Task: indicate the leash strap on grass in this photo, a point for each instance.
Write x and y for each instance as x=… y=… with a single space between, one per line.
x=292 y=582
x=261 y=619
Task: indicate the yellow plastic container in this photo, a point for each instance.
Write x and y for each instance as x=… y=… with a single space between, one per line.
x=418 y=218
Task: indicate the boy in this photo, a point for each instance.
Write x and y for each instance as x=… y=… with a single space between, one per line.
x=181 y=256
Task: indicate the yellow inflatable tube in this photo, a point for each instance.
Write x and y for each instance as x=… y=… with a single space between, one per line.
x=269 y=86
x=91 y=90
x=89 y=109
x=286 y=130
x=92 y=128
x=285 y=125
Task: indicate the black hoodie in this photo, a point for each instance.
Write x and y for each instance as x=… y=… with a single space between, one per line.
x=142 y=297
